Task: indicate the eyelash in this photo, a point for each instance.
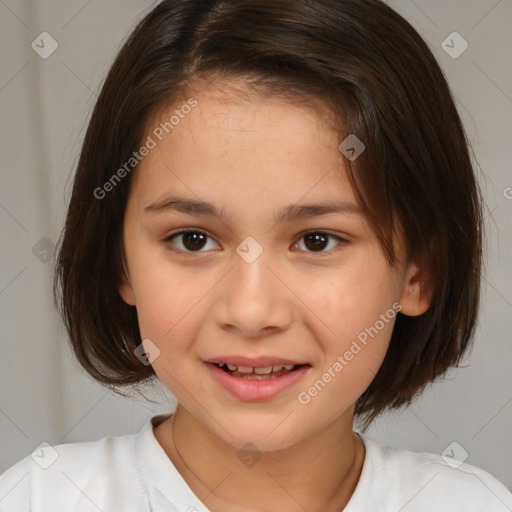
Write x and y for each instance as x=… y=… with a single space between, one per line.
x=199 y=231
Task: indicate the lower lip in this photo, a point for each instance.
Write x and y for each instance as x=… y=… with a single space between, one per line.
x=253 y=389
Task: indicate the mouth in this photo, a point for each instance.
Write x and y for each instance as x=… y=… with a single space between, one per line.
x=258 y=379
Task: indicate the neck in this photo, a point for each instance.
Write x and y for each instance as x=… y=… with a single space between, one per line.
x=320 y=473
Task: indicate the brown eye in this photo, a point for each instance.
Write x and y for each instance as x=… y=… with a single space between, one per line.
x=190 y=240
x=317 y=241
x=196 y=240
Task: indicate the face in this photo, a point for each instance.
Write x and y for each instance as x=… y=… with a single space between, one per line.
x=279 y=267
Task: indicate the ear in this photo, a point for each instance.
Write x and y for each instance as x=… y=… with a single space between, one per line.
x=126 y=290
x=415 y=299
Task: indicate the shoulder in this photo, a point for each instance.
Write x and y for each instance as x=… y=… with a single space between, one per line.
x=75 y=476
x=434 y=483
x=15 y=487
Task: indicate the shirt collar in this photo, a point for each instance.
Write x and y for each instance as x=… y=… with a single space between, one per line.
x=166 y=488
x=168 y=491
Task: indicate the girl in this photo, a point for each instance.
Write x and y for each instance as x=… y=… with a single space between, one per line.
x=275 y=213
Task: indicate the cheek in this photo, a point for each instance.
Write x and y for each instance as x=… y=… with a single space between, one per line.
x=351 y=361
x=166 y=303
x=347 y=302
x=354 y=319
x=169 y=311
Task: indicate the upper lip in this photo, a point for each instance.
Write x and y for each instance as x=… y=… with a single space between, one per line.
x=256 y=362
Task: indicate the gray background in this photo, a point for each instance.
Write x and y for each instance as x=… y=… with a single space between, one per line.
x=44 y=107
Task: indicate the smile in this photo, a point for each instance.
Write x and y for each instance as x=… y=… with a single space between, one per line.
x=257 y=383
x=247 y=372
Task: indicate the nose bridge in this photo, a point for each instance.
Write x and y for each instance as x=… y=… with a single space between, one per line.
x=254 y=298
x=251 y=269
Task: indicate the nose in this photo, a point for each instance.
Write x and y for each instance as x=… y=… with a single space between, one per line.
x=254 y=300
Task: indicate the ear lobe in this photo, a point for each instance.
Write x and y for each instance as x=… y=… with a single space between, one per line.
x=126 y=290
x=415 y=299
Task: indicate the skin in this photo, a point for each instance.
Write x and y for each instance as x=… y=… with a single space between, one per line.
x=251 y=157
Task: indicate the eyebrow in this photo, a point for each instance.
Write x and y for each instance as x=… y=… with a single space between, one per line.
x=287 y=214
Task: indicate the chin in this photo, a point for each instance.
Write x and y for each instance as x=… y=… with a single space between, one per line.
x=265 y=436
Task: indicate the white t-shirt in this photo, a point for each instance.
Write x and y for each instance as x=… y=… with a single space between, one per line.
x=132 y=473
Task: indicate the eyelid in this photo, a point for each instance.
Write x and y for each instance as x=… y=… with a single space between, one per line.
x=301 y=235
x=341 y=241
x=167 y=238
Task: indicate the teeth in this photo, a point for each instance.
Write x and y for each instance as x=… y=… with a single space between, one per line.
x=258 y=371
x=263 y=371
x=254 y=376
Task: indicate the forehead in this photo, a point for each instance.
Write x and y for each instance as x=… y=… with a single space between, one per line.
x=247 y=148
x=231 y=113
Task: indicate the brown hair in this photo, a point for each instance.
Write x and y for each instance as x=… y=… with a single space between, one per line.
x=373 y=70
